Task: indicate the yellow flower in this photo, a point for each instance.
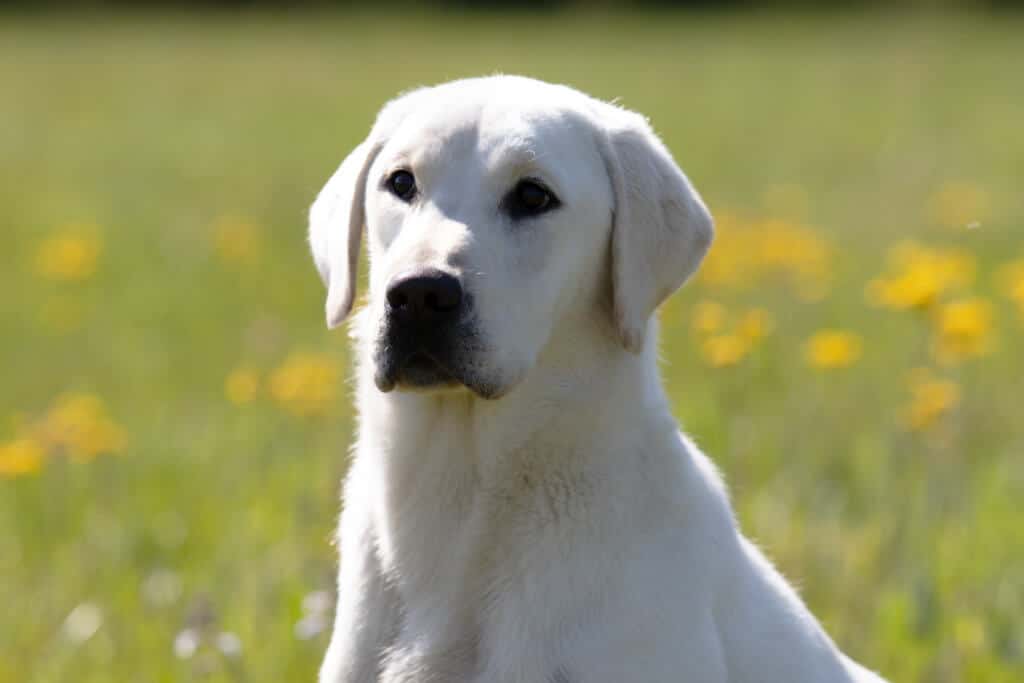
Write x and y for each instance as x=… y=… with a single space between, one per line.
x=919 y=275
x=931 y=398
x=963 y=330
x=241 y=386
x=70 y=255
x=20 y=457
x=724 y=350
x=78 y=423
x=1010 y=279
x=792 y=250
x=708 y=317
x=959 y=204
x=724 y=264
x=237 y=241
x=755 y=324
x=721 y=348
x=830 y=349
x=305 y=384
x=746 y=253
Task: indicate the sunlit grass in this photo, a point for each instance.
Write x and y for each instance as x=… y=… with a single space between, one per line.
x=174 y=418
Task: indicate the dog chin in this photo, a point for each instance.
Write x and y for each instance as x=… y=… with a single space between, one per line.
x=418 y=372
x=423 y=374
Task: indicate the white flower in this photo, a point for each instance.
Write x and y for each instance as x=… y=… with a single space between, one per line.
x=186 y=643
x=83 y=622
x=229 y=644
x=161 y=588
x=310 y=626
x=317 y=602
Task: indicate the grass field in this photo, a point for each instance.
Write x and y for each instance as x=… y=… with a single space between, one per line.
x=174 y=416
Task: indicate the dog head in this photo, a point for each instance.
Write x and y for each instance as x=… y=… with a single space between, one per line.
x=496 y=209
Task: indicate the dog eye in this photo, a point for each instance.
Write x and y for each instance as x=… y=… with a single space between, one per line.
x=529 y=198
x=402 y=184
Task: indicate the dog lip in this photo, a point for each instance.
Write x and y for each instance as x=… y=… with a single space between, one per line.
x=420 y=357
x=418 y=368
x=425 y=358
x=422 y=360
x=384 y=383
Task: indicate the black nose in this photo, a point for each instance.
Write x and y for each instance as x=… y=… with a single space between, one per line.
x=425 y=296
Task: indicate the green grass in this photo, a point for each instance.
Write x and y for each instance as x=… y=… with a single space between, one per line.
x=909 y=546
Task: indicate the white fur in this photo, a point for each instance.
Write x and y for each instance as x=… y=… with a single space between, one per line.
x=565 y=532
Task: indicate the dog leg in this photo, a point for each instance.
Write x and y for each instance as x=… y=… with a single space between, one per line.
x=367 y=615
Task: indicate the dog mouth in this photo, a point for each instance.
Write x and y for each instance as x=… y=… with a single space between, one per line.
x=418 y=368
x=431 y=361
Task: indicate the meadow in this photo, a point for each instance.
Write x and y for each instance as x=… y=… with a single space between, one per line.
x=174 y=416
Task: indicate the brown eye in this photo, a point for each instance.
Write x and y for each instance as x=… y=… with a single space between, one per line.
x=402 y=184
x=529 y=198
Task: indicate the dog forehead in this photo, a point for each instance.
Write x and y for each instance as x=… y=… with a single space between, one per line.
x=533 y=132
x=496 y=96
x=498 y=118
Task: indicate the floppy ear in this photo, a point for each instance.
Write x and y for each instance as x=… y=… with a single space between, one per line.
x=338 y=216
x=660 y=228
x=336 y=229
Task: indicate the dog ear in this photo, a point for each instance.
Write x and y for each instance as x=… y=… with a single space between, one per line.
x=338 y=215
x=660 y=226
x=336 y=228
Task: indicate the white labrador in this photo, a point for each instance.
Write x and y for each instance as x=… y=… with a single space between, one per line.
x=521 y=505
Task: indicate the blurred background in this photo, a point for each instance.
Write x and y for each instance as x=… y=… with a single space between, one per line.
x=174 y=417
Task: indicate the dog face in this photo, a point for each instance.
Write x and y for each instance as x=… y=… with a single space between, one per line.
x=479 y=238
x=495 y=210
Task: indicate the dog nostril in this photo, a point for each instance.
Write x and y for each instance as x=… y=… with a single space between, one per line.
x=445 y=296
x=397 y=299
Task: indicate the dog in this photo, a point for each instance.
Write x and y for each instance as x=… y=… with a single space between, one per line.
x=521 y=505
